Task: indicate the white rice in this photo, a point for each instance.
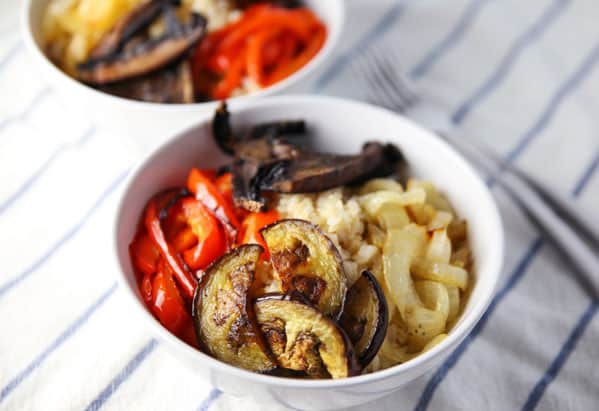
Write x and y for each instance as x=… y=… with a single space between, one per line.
x=340 y=216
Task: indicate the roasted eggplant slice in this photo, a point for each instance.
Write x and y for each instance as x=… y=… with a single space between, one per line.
x=303 y=339
x=365 y=317
x=223 y=317
x=308 y=262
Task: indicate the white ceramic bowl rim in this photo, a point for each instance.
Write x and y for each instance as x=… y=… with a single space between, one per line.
x=332 y=39
x=468 y=320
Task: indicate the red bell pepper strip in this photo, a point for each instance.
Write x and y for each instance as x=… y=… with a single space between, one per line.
x=232 y=78
x=255 y=53
x=309 y=51
x=144 y=253
x=184 y=240
x=207 y=192
x=186 y=280
x=224 y=184
x=211 y=242
x=167 y=304
x=295 y=21
x=251 y=226
x=146 y=288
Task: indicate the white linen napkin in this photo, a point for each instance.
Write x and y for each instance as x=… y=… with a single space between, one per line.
x=518 y=76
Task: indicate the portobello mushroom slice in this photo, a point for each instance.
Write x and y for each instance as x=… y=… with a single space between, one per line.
x=139 y=18
x=223 y=317
x=303 y=339
x=246 y=194
x=308 y=262
x=139 y=55
x=321 y=172
x=365 y=317
x=172 y=85
x=222 y=132
x=266 y=163
x=264 y=135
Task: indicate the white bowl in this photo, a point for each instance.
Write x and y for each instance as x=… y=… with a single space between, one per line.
x=149 y=123
x=338 y=126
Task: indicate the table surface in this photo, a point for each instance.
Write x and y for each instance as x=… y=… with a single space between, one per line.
x=520 y=77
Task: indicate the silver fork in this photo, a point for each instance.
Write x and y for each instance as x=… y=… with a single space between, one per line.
x=566 y=226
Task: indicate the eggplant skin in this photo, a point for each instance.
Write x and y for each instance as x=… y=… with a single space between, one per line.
x=308 y=262
x=224 y=319
x=303 y=339
x=365 y=317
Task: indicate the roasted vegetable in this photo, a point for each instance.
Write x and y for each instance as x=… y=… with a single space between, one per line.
x=251 y=226
x=253 y=152
x=224 y=319
x=266 y=163
x=222 y=132
x=201 y=185
x=195 y=233
x=231 y=143
x=319 y=172
x=365 y=317
x=127 y=52
x=308 y=262
x=265 y=44
x=303 y=339
x=152 y=221
x=173 y=84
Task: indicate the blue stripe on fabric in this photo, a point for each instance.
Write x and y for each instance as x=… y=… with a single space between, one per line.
x=566 y=88
x=544 y=119
x=455 y=35
x=66 y=334
x=518 y=273
x=64 y=239
x=586 y=176
x=10 y=54
x=125 y=373
x=42 y=169
x=207 y=403
x=38 y=98
x=527 y=38
x=565 y=351
x=444 y=369
x=379 y=28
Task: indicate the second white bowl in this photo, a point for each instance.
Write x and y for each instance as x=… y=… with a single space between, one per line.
x=149 y=123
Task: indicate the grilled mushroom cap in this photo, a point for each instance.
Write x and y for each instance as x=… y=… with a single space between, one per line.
x=131 y=24
x=173 y=84
x=320 y=172
x=266 y=162
x=126 y=52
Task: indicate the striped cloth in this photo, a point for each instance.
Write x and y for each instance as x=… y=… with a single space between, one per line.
x=519 y=76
